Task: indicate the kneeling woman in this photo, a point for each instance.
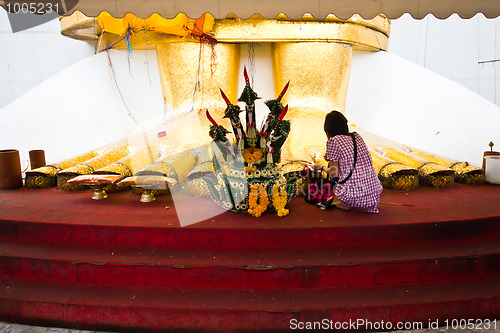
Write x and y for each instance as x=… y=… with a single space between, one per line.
x=362 y=189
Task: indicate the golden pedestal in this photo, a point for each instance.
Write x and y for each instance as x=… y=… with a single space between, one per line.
x=314 y=55
x=99 y=193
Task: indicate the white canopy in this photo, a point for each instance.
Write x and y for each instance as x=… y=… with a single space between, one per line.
x=294 y=9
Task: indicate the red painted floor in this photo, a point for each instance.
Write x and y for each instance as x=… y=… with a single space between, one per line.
x=461 y=202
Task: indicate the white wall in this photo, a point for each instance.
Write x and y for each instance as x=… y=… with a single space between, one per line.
x=398 y=100
x=419 y=108
x=31 y=56
x=83 y=107
x=452 y=47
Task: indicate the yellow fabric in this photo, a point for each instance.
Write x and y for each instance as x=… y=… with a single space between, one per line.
x=181 y=25
x=205 y=23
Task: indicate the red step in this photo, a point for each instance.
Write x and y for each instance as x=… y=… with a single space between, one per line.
x=118 y=264
x=148 y=309
x=241 y=238
x=328 y=237
x=247 y=269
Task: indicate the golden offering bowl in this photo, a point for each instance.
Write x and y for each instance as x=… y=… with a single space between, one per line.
x=97 y=183
x=147 y=195
x=147 y=185
x=99 y=192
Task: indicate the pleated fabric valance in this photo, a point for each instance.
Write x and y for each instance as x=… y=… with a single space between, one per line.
x=294 y=9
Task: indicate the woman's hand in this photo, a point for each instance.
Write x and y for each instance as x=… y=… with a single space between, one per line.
x=332 y=170
x=317 y=167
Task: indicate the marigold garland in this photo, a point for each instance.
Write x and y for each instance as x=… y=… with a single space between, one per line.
x=252 y=155
x=250 y=168
x=280 y=200
x=257 y=200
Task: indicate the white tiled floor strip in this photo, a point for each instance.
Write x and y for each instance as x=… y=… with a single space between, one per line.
x=18 y=328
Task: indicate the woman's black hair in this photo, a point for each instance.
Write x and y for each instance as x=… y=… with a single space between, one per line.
x=335 y=124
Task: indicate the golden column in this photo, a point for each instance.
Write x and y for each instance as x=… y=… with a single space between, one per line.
x=319 y=77
x=191 y=76
x=315 y=56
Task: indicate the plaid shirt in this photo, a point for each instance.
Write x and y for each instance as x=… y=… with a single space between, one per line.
x=362 y=191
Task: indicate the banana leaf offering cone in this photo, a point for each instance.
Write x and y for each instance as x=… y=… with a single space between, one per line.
x=394 y=175
x=429 y=173
x=464 y=172
x=46 y=176
x=89 y=167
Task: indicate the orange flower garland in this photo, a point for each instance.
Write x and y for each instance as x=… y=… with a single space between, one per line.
x=252 y=155
x=257 y=200
x=280 y=200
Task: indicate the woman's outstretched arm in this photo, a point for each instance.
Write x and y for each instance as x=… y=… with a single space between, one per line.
x=332 y=170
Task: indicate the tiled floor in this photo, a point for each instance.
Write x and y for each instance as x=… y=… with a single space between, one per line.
x=18 y=328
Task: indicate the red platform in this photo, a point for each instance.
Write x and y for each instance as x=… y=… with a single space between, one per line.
x=118 y=264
